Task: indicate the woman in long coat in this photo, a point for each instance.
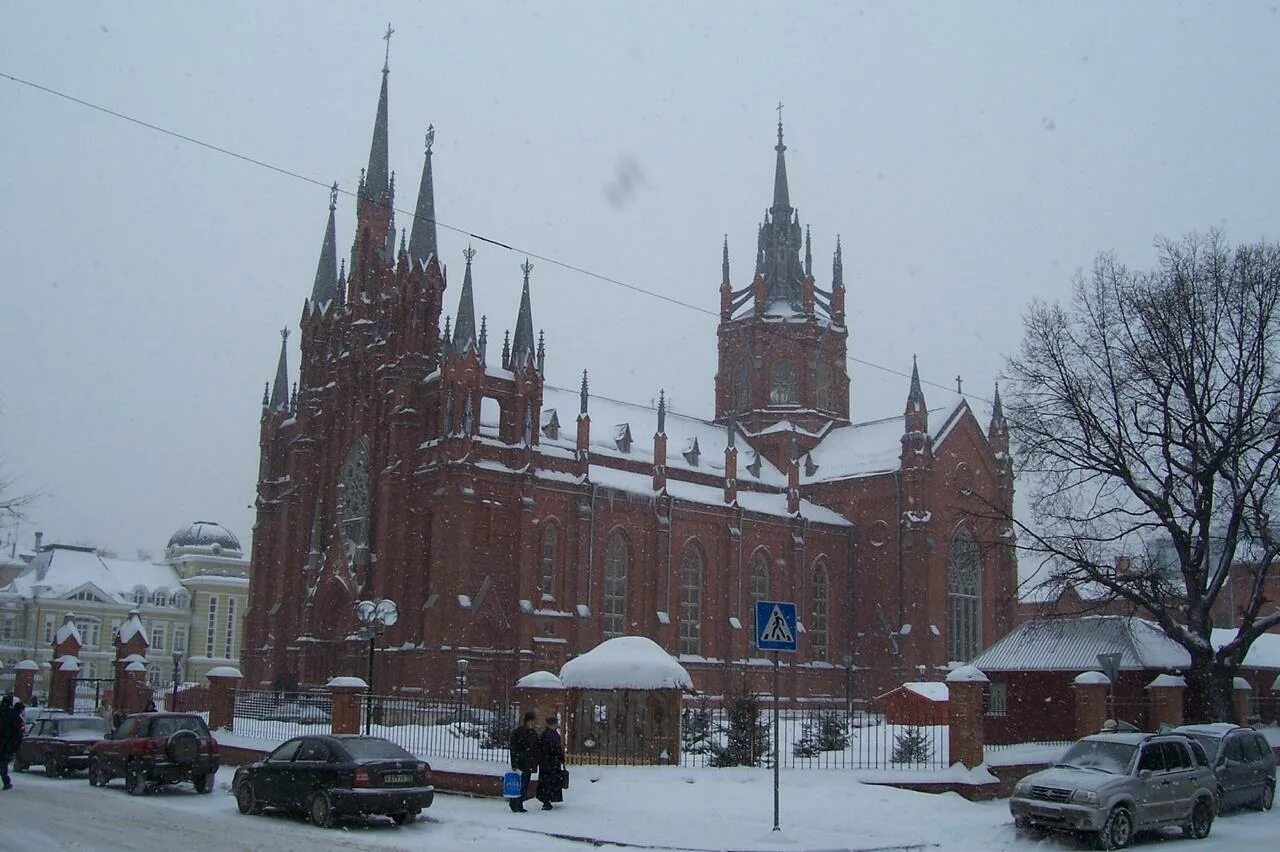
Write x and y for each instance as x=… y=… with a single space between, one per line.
x=551 y=771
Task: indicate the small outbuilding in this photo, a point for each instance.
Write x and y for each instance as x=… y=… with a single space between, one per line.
x=623 y=699
x=918 y=703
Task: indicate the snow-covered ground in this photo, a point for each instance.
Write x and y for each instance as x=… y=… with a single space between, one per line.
x=666 y=807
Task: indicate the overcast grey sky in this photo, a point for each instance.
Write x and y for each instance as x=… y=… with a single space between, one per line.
x=971 y=156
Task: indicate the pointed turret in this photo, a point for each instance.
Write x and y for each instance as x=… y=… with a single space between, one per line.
x=837 y=268
x=522 y=344
x=997 y=412
x=781 y=195
x=781 y=242
x=377 y=177
x=542 y=354
x=325 y=289
x=422 y=242
x=582 y=396
x=280 y=387
x=660 y=446
x=662 y=411
x=724 y=264
x=484 y=337
x=464 y=330
x=808 y=254
x=916 y=414
x=342 y=282
x=583 y=441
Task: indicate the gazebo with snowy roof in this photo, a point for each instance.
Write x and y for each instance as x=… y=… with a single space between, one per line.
x=623 y=699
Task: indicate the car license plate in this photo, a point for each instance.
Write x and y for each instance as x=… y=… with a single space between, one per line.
x=397 y=778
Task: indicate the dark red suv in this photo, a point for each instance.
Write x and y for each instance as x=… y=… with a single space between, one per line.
x=149 y=749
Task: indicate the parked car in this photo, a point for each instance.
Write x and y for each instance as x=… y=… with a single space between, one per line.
x=294 y=712
x=59 y=743
x=1243 y=762
x=148 y=749
x=1113 y=785
x=332 y=776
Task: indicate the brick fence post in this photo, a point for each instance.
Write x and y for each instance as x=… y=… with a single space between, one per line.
x=1240 y=700
x=24 y=680
x=541 y=692
x=966 y=687
x=1166 y=701
x=346 y=692
x=223 y=683
x=1091 y=702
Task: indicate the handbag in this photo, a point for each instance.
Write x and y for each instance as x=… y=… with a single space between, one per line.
x=564 y=778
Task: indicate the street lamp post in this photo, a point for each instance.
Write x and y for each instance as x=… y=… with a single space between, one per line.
x=177 y=673
x=848 y=689
x=374 y=617
x=463 y=665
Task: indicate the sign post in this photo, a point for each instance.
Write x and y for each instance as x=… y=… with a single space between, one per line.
x=776 y=632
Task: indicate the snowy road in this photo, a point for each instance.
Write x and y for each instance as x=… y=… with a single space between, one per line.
x=657 y=807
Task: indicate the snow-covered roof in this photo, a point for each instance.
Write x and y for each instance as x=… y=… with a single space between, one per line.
x=26 y=666
x=932 y=691
x=753 y=501
x=966 y=674
x=625 y=662
x=681 y=430
x=1073 y=644
x=61 y=570
x=347 y=683
x=67 y=631
x=875 y=446
x=1093 y=678
x=540 y=680
x=1166 y=680
x=133 y=627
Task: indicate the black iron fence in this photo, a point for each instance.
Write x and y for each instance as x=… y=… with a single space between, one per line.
x=818 y=738
x=280 y=715
x=441 y=728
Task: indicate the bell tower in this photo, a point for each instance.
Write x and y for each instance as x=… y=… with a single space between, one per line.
x=782 y=338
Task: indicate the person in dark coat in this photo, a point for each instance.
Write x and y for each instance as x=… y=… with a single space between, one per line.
x=551 y=771
x=11 y=730
x=525 y=751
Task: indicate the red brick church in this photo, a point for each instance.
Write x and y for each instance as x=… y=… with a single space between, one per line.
x=517 y=524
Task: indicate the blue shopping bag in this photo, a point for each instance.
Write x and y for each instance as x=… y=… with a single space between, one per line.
x=511 y=786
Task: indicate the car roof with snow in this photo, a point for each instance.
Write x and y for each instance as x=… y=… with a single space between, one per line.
x=1212 y=729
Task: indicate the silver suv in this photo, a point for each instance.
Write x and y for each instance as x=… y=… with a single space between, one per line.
x=1113 y=785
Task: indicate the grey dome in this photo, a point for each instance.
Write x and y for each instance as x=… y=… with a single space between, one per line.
x=205 y=535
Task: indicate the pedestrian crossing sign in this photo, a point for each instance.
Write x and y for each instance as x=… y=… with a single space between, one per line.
x=776 y=626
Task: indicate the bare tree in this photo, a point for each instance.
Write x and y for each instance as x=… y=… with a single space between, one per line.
x=1147 y=414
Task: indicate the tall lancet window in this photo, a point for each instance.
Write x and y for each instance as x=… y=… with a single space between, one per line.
x=783 y=387
x=964 y=598
x=356 y=495
x=759 y=581
x=824 y=391
x=549 y=537
x=742 y=388
x=819 y=593
x=617 y=564
x=691 y=600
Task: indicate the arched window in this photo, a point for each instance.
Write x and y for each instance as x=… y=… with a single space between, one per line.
x=742 y=388
x=355 y=495
x=783 y=389
x=819 y=594
x=964 y=587
x=181 y=600
x=691 y=600
x=160 y=597
x=139 y=595
x=549 y=536
x=824 y=392
x=617 y=564
x=759 y=581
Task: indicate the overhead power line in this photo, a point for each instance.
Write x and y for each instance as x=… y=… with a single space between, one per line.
x=327 y=186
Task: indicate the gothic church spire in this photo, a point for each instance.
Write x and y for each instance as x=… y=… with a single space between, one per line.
x=422 y=241
x=522 y=344
x=280 y=387
x=325 y=288
x=464 y=331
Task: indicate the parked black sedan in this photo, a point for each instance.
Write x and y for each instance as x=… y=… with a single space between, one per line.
x=332 y=776
x=59 y=743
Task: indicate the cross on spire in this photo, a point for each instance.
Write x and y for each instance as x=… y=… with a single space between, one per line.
x=333 y=196
x=959 y=385
x=386 y=62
